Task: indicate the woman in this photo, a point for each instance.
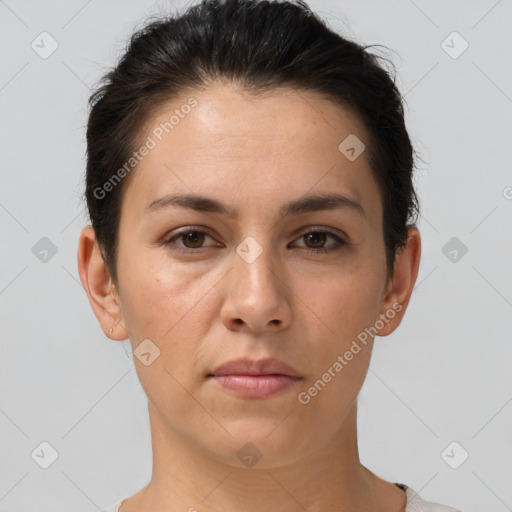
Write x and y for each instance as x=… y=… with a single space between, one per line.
x=249 y=185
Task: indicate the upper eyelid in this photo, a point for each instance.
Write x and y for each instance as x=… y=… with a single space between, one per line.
x=299 y=234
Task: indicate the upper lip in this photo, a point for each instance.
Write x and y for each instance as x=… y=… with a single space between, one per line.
x=268 y=366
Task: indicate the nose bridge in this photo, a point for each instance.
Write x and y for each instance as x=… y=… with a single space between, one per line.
x=255 y=261
x=255 y=292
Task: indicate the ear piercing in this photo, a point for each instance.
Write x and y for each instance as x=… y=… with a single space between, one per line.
x=112 y=328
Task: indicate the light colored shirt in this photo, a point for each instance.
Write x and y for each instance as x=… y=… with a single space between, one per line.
x=414 y=503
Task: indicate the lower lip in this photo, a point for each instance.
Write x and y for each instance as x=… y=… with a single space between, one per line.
x=255 y=386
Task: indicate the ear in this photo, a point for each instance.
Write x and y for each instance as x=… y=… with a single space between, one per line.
x=400 y=286
x=101 y=291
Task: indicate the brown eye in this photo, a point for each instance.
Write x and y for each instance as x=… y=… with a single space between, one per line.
x=191 y=240
x=195 y=238
x=316 y=239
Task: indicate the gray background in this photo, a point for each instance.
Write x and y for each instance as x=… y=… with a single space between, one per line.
x=443 y=376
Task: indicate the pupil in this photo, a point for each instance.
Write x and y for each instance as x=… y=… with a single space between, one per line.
x=321 y=235
x=193 y=237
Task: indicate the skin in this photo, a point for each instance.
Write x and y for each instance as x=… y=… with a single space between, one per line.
x=206 y=308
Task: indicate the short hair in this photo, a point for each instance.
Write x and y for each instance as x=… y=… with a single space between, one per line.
x=258 y=45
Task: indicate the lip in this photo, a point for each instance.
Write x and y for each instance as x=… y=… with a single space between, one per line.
x=244 y=366
x=255 y=386
x=247 y=378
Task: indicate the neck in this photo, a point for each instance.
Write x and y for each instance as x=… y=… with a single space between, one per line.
x=187 y=478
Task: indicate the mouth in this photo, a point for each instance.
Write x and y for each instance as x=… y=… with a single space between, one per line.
x=247 y=378
x=251 y=367
x=255 y=386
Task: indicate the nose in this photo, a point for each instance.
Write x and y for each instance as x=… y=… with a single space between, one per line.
x=257 y=296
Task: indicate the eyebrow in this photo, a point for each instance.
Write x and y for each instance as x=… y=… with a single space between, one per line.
x=310 y=203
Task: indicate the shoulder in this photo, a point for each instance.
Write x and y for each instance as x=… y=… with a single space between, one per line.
x=415 y=503
x=114 y=507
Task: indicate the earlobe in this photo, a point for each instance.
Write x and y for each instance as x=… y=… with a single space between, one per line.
x=402 y=282
x=98 y=285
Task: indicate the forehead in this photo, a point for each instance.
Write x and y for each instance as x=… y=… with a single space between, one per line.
x=280 y=120
x=275 y=145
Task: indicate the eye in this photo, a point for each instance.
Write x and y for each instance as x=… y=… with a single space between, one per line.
x=192 y=238
x=318 y=237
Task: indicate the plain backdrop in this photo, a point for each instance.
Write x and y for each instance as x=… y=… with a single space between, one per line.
x=435 y=411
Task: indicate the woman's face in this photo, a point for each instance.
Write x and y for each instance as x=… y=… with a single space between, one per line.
x=255 y=277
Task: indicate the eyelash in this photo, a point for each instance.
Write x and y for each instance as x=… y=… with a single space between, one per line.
x=334 y=247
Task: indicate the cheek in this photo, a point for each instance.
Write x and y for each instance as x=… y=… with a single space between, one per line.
x=157 y=293
x=348 y=302
x=174 y=310
x=335 y=313
x=341 y=353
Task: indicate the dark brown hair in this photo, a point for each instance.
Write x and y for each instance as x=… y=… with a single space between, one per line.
x=259 y=46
